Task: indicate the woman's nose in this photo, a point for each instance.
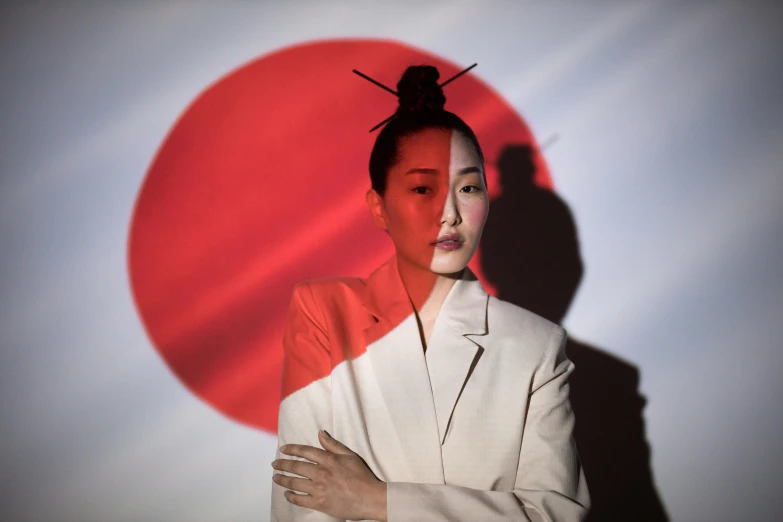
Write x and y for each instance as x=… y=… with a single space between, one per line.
x=450 y=213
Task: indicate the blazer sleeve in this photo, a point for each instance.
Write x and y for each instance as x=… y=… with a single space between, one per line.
x=550 y=483
x=305 y=406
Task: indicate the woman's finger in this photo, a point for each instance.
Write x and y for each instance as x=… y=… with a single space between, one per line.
x=295 y=483
x=299 y=467
x=310 y=453
x=299 y=499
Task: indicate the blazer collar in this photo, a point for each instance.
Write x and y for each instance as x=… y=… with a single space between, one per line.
x=464 y=309
x=421 y=391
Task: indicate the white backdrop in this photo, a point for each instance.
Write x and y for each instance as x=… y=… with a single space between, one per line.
x=670 y=148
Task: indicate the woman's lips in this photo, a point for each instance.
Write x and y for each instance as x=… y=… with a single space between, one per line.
x=449 y=242
x=448 y=245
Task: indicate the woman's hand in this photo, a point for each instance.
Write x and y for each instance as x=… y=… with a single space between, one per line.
x=337 y=481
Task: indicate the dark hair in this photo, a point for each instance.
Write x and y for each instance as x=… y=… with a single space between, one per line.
x=421 y=107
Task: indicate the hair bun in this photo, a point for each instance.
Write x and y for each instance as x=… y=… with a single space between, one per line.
x=418 y=90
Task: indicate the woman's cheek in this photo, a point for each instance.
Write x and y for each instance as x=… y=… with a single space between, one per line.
x=417 y=226
x=421 y=224
x=474 y=211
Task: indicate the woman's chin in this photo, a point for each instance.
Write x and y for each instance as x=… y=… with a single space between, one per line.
x=449 y=263
x=445 y=263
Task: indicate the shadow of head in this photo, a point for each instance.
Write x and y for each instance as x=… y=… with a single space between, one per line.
x=516 y=167
x=529 y=246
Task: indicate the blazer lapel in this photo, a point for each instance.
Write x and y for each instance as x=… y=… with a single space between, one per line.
x=419 y=399
x=451 y=355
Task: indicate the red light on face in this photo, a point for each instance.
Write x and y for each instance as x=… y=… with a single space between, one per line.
x=416 y=191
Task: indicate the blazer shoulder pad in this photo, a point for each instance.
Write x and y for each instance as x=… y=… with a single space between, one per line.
x=510 y=323
x=330 y=289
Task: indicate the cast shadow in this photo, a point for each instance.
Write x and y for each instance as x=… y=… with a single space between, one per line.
x=530 y=253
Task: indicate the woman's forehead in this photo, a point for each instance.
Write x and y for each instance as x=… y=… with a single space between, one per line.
x=436 y=148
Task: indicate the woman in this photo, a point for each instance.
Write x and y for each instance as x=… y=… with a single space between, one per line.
x=443 y=403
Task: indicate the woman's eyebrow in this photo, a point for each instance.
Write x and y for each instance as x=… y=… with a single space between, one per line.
x=466 y=170
x=422 y=171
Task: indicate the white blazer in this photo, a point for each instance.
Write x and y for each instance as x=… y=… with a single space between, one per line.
x=478 y=428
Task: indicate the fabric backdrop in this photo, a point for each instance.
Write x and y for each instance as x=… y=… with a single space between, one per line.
x=169 y=170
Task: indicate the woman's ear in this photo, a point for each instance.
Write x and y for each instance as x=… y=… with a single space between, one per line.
x=375 y=204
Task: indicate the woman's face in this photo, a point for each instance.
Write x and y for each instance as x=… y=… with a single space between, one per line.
x=436 y=202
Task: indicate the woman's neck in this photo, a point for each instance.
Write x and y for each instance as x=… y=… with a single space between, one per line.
x=426 y=289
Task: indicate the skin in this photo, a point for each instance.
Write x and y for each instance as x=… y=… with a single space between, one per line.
x=436 y=187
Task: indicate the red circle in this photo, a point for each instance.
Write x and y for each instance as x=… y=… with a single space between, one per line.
x=260 y=184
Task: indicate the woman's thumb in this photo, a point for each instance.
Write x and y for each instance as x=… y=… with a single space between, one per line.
x=335 y=446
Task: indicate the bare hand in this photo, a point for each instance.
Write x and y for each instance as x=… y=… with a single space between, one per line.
x=336 y=481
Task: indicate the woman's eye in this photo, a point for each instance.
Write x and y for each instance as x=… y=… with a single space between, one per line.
x=470 y=188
